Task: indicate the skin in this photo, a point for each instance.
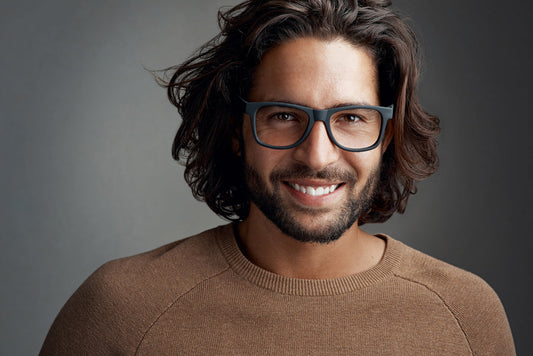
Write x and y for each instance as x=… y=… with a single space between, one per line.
x=319 y=74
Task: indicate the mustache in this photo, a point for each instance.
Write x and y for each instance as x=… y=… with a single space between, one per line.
x=304 y=172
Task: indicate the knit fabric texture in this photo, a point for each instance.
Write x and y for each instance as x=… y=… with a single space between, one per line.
x=201 y=296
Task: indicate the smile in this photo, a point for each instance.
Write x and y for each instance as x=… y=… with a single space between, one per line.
x=314 y=191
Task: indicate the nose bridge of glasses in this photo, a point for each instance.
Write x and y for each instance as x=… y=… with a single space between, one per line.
x=323 y=116
x=320 y=115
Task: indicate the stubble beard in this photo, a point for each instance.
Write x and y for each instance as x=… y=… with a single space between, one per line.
x=284 y=217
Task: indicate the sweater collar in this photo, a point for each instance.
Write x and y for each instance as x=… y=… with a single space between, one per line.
x=307 y=287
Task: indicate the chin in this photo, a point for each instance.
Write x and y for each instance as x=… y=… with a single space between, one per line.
x=320 y=230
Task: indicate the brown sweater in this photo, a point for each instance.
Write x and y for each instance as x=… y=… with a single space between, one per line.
x=201 y=296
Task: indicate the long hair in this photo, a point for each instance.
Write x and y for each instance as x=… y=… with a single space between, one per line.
x=206 y=90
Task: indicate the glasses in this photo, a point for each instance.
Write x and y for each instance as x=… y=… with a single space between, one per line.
x=354 y=128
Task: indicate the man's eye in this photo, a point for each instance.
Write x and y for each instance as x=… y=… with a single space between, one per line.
x=350 y=118
x=284 y=116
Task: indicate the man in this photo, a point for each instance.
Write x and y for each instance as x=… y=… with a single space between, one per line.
x=300 y=124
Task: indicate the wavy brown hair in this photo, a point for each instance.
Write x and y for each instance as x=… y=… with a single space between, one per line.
x=206 y=90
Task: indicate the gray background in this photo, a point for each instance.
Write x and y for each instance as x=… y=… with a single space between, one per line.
x=85 y=139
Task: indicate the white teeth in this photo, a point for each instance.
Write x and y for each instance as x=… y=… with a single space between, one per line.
x=315 y=191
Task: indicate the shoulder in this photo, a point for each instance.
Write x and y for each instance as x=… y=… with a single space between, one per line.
x=472 y=301
x=176 y=265
x=112 y=309
x=439 y=276
x=169 y=270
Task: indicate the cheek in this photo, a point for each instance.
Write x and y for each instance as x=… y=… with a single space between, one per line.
x=364 y=163
x=262 y=159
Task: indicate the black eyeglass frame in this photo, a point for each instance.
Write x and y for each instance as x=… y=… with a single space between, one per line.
x=315 y=115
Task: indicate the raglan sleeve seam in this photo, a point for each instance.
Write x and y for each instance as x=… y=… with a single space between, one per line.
x=457 y=319
x=172 y=303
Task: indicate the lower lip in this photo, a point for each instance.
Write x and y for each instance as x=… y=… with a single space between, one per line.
x=314 y=201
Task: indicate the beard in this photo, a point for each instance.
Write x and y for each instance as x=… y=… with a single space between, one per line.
x=284 y=217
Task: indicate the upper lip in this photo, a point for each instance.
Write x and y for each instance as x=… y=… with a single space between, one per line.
x=313 y=182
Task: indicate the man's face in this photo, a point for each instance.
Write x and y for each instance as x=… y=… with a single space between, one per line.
x=338 y=184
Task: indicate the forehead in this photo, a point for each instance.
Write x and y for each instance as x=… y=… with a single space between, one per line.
x=318 y=73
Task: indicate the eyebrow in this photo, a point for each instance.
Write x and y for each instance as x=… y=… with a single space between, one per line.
x=339 y=105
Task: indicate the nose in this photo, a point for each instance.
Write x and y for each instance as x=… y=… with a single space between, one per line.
x=317 y=151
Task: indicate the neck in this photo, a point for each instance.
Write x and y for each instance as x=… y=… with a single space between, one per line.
x=269 y=248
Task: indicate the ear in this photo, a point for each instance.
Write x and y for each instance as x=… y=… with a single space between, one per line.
x=237 y=141
x=236 y=144
x=387 y=138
